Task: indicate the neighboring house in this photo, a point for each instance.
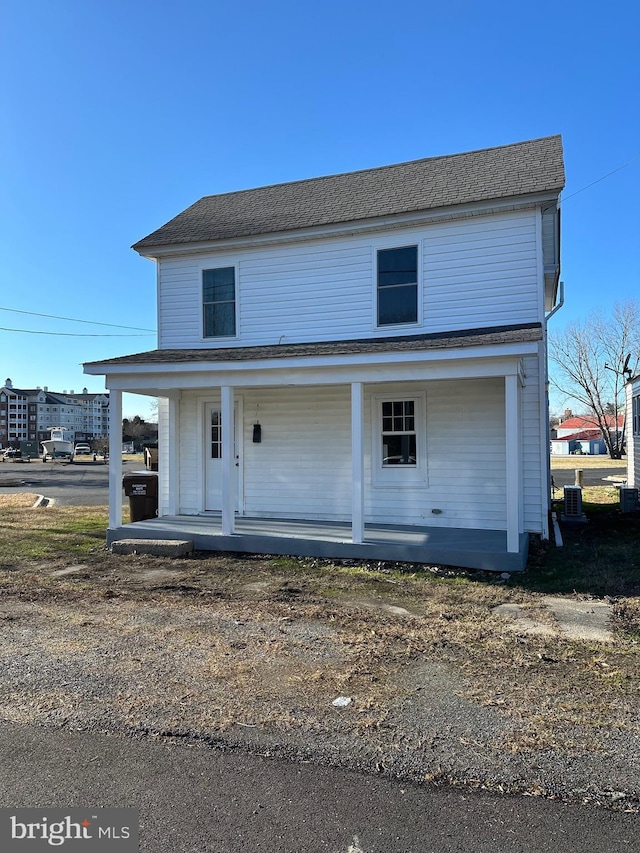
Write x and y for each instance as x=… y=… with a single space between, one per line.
x=375 y=344
x=582 y=434
x=586 y=442
x=30 y=414
x=633 y=432
x=588 y=424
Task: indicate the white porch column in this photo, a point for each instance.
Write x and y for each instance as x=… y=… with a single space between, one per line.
x=357 y=462
x=228 y=460
x=514 y=480
x=115 y=459
x=173 y=456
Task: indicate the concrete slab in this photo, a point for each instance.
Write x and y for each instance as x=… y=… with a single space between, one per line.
x=70 y=570
x=154 y=547
x=522 y=621
x=582 y=620
x=577 y=620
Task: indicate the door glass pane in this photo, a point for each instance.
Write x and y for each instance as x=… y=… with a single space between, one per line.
x=216 y=435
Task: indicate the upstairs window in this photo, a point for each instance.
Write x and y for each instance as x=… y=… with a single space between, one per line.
x=397 y=286
x=219 y=302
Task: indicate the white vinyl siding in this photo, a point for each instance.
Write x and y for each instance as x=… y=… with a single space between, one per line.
x=632 y=435
x=477 y=272
x=302 y=466
x=532 y=473
x=481 y=272
x=191 y=462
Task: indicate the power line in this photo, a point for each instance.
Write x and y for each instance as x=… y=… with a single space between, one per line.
x=593 y=183
x=73 y=320
x=74 y=334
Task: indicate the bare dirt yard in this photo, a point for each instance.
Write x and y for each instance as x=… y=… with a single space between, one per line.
x=251 y=652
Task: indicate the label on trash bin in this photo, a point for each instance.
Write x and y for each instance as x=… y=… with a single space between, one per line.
x=138 y=489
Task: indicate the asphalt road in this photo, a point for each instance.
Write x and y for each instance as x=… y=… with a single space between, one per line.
x=592 y=476
x=195 y=799
x=87 y=483
x=77 y=484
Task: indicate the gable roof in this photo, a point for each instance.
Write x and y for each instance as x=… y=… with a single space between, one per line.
x=503 y=172
x=589 y=424
x=584 y=435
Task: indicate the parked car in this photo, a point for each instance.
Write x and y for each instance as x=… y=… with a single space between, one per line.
x=11 y=453
x=82 y=450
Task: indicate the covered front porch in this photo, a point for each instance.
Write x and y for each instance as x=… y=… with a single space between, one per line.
x=477 y=549
x=318 y=478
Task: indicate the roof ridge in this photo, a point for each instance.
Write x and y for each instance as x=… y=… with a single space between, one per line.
x=517 y=169
x=402 y=163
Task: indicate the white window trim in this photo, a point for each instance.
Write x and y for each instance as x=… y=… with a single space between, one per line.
x=397 y=244
x=635 y=415
x=216 y=265
x=399 y=476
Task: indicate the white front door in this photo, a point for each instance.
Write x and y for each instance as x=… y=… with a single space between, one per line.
x=213 y=439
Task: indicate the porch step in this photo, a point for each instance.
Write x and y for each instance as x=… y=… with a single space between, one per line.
x=154 y=547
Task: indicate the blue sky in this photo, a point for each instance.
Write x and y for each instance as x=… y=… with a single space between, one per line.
x=116 y=116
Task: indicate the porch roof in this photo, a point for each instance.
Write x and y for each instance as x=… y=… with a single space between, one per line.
x=490 y=336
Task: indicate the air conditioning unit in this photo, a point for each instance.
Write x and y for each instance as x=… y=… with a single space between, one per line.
x=628 y=499
x=573 y=504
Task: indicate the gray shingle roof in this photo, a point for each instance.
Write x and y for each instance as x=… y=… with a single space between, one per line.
x=521 y=333
x=491 y=173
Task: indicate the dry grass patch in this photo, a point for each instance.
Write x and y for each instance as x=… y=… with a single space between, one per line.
x=569 y=463
x=48 y=532
x=17 y=502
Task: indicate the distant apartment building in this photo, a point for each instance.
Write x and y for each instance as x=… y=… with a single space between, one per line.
x=29 y=414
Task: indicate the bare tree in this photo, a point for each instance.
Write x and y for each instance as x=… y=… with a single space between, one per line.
x=590 y=362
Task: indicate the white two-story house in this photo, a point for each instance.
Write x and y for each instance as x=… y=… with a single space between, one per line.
x=355 y=365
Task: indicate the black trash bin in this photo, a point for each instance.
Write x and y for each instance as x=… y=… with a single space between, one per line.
x=141 y=487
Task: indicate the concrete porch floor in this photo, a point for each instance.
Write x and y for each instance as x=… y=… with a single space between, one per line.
x=474 y=549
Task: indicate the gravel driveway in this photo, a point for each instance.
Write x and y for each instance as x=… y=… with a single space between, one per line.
x=251 y=659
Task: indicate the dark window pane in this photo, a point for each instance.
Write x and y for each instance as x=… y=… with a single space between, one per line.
x=218 y=293
x=386 y=408
x=219 y=320
x=387 y=424
x=397 y=408
x=399 y=450
x=398 y=424
x=389 y=279
x=408 y=407
x=218 y=285
x=218 y=296
x=397 y=266
x=409 y=423
x=398 y=305
x=404 y=261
